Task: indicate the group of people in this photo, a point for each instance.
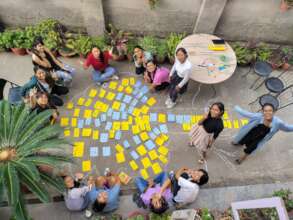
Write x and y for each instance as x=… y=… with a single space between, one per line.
x=52 y=79
x=101 y=194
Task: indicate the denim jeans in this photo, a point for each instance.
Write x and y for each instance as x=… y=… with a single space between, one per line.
x=102 y=77
x=67 y=77
x=142 y=184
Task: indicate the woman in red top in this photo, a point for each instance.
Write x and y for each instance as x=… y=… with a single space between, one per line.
x=99 y=60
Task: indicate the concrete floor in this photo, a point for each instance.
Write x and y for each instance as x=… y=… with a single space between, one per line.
x=272 y=164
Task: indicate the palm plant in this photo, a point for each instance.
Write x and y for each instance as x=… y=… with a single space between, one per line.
x=26 y=143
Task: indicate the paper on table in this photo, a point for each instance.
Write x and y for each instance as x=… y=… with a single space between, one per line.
x=153 y=155
x=111 y=134
x=119 y=96
x=78 y=149
x=120 y=88
x=64 y=122
x=144 y=174
x=103 y=117
x=127 y=99
x=94 y=151
x=96 y=135
x=124 y=126
x=133 y=165
x=144 y=89
x=153 y=117
x=122 y=107
x=106 y=151
x=236 y=124
x=123 y=115
x=120 y=158
x=144 y=99
x=141 y=150
x=135 y=129
x=134 y=155
x=80 y=101
x=159 y=141
x=164 y=137
x=93 y=93
x=152 y=135
x=116 y=125
x=86 y=132
x=95 y=113
x=86 y=166
x=145 y=109
x=110 y=112
x=244 y=121
x=134 y=102
x=97 y=122
x=186 y=127
x=104 y=137
x=108 y=126
x=179 y=119
x=116 y=116
x=131 y=80
x=128 y=90
x=163 y=159
x=137 y=84
x=156 y=131
x=156 y=168
x=146 y=162
x=225 y=115
x=125 y=82
x=88 y=121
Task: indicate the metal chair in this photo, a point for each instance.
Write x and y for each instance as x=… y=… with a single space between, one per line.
x=14 y=94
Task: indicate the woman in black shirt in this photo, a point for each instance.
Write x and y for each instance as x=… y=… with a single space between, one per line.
x=203 y=134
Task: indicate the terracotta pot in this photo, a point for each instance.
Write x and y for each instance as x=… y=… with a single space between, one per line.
x=19 y=51
x=137 y=213
x=285 y=66
x=284 y=6
x=29 y=51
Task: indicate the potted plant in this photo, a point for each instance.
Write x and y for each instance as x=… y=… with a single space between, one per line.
x=263 y=52
x=205 y=214
x=162 y=50
x=287 y=58
x=30 y=37
x=130 y=48
x=136 y=215
x=149 y=43
x=82 y=45
x=172 y=41
x=7 y=40
x=165 y=216
x=53 y=41
x=19 y=42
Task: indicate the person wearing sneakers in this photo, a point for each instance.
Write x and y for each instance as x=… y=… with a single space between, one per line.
x=99 y=60
x=179 y=76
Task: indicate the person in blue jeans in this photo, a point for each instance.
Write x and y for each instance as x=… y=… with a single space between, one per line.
x=152 y=194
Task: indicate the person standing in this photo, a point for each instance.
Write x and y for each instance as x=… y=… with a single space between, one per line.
x=179 y=76
x=262 y=126
x=205 y=132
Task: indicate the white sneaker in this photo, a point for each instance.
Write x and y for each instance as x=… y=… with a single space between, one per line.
x=115 y=77
x=168 y=101
x=105 y=85
x=107 y=171
x=171 y=105
x=88 y=213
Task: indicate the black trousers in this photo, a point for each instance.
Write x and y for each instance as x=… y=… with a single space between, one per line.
x=163 y=86
x=175 y=80
x=55 y=100
x=2 y=85
x=139 y=70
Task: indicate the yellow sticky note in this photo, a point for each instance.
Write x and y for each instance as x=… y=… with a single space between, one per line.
x=66 y=133
x=164 y=137
x=116 y=105
x=113 y=85
x=153 y=155
x=128 y=90
x=229 y=124
x=95 y=135
x=93 y=93
x=120 y=88
x=133 y=165
x=156 y=168
x=244 y=121
x=146 y=118
x=162 y=118
x=186 y=127
x=193 y=119
x=163 y=150
x=116 y=125
x=145 y=109
x=225 y=123
x=125 y=82
x=163 y=159
x=144 y=136
x=78 y=149
x=131 y=81
x=95 y=113
x=151 y=101
x=146 y=162
x=88 y=102
x=120 y=158
x=119 y=148
x=87 y=113
x=111 y=134
x=236 y=124
x=74 y=122
x=225 y=115
x=110 y=96
x=86 y=132
x=135 y=129
x=142 y=126
x=102 y=93
x=148 y=127
x=76 y=112
x=86 y=166
x=136 y=112
x=130 y=119
x=124 y=126
x=80 y=101
x=104 y=107
x=144 y=174
x=141 y=150
x=70 y=105
x=159 y=141
x=64 y=122
x=76 y=132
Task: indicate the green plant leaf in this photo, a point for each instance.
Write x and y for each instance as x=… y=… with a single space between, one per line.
x=51 y=160
x=28 y=167
x=12 y=183
x=54 y=181
x=19 y=211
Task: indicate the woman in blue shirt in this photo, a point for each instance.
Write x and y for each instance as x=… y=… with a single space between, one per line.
x=261 y=127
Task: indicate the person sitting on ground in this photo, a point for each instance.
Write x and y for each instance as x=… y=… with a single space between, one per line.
x=141 y=57
x=43 y=82
x=42 y=104
x=43 y=57
x=204 y=133
x=149 y=193
x=262 y=126
x=158 y=77
x=105 y=195
x=77 y=195
x=179 y=77
x=102 y=71
x=185 y=185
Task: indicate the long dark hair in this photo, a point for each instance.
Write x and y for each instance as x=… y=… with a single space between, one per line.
x=183 y=50
x=101 y=55
x=221 y=107
x=153 y=62
x=37 y=40
x=48 y=78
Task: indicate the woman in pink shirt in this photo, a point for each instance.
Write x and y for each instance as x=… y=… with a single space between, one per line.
x=158 y=77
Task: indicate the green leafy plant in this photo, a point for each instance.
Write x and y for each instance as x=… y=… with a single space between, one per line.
x=99 y=42
x=164 y=216
x=172 y=42
x=245 y=55
x=285 y=195
x=138 y=217
x=20 y=39
x=162 y=51
x=206 y=215
x=24 y=136
x=263 y=52
x=81 y=44
x=6 y=39
x=153 y=3
x=149 y=43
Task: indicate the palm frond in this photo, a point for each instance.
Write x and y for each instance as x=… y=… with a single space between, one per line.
x=55 y=181
x=5 y=116
x=11 y=181
x=20 y=211
x=28 y=167
x=51 y=160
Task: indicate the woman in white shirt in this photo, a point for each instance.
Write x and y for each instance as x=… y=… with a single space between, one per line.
x=179 y=77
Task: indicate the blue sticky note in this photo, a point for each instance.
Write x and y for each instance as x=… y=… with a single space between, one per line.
x=103 y=117
x=80 y=123
x=144 y=99
x=130 y=109
x=171 y=118
x=152 y=135
x=135 y=92
x=134 y=102
x=179 y=119
x=153 y=117
x=119 y=96
x=126 y=144
x=104 y=137
x=186 y=118
x=116 y=116
x=164 y=128
x=94 y=151
x=122 y=107
x=139 y=95
x=110 y=112
x=144 y=89
x=108 y=126
x=124 y=115
x=127 y=99
x=134 y=155
x=97 y=122
x=150 y=144
x=118 y=135
x=88 y=121
x=137 y=84
x=106 y=151
x=136 y=139
x=156 y=131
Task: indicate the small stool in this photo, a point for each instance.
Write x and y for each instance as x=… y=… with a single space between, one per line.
x=274 y=84
x=268 y=98
x=262 y=69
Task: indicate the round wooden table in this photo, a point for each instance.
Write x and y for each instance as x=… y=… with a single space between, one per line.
x=208 y=66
